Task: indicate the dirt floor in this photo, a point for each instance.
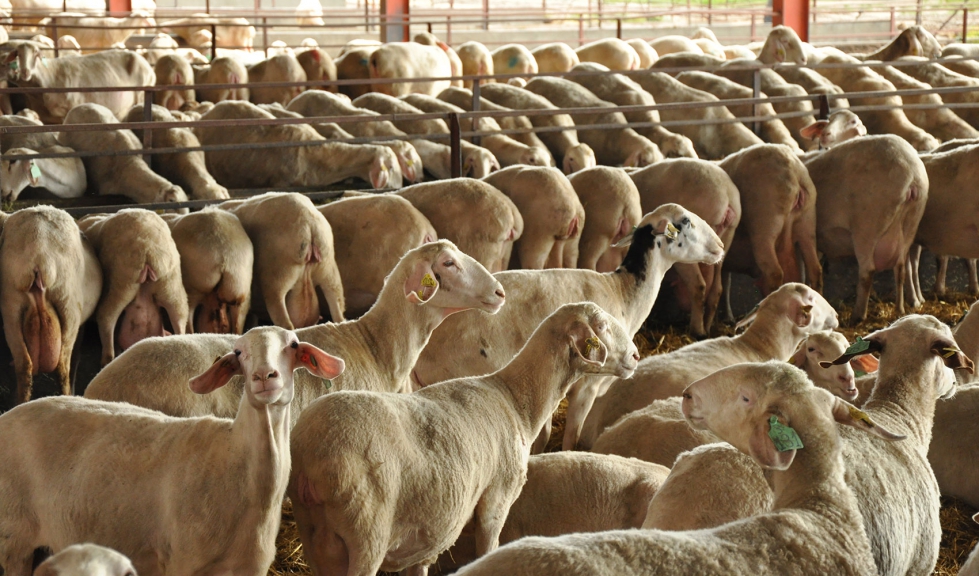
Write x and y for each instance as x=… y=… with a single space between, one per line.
x=959 y=532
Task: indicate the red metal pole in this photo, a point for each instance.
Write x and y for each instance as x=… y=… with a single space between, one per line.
x=794 y=14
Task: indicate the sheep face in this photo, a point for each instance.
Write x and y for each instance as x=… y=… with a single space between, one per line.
x=385 y=170
x=444 y=277
x=479 y=163
x=579 y=157
x=598 y=341
x=86 y=560
x=17 y=175
x=783 y=45
x=804 y=306
x=680 y=234
x=822 y=346
x=266 y=357
x=841 y=126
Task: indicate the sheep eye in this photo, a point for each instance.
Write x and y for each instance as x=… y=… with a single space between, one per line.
x=294 y=345
x=448 y=263
x=237 y=352
x=812 y=349
x=745 y=398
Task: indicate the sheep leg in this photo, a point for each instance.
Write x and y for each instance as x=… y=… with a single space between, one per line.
x=900 y=277
x=590 y=251
x=939 y=288
x=713 y=296
x=274 y=290
x=23 y=367
x=70 y=324
x=768 y=262
x=728 y=313
x=194 y=301
x=416 y=570
x=570 y=253
x=169 y=293
x=973 y=277
x=118 y=296
x=581 y=397
x=490 y=515
x=865 y=285
x=697 y=287
x=533 y=252
x=329 y=283
x=913 y=283
x=555 y=258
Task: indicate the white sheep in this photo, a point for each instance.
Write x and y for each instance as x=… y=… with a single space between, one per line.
x=216 y=259
x=278 y=68
x=612 y=209
x=141 y=266
x=450 y=452
x=409 y=60
x=50 y=283
x=971 y=566
x=376 y=359
x=612 y=52
x=813 y=505
x=782 y=320
x=895 y=487
x=514 y=59
x=555 y=57
x=476 y=61
x=664 y=236
x=568 y=492
x=86 y=560
x=207 y=492
x=63 y=177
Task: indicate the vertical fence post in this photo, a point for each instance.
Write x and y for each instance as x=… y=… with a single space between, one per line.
x=618 y=28
x=207 y=6
x=756 y=94
x=581 y=29
x=476 y=108
x=428 y=26
x=485 y=14
x=448 y=30
x=917 y=13
x=965 y=25
x=710 y=12
x=813 y=11
x=893 y=21
x=214 y=42
x=751 y=37
x=689 y=16
x=54 y=31
x=147 y=133
x=265 y=36
x=823 y=107
x=455 y=144
x=367 y=15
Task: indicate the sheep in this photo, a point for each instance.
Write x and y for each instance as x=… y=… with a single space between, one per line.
x=553 y=216
x=710 y=193
x=113 y=68
x=521 y=124
x=354 y=64
x=216 y=258
x=514 y=59
x=212 y=469
x=480 y=219
x=812 y=503
x=36 y=141
x=318 y=66
x=86 y=560
x=878 y=122
x=294 y=263
x=141 y=266
x=506 y=149
x=612 y=209
x=647 y=54
x=455 y=63
x=279 y=68
x=172 y=69
x=895 y=487
x=614 y=53
x=778 y=202
x=555 y=57
x=620 y=90
x=63 y=177
x=842 y=125
x=94 y=33
x=370 y=235
x=782 y=321
x=477 y=161
x=568 y=152
x=326 y=163
x=939 y=121
x=476 y=61
x=376 y=361
x=713 y=141
x=569 y=492
x=773 y=131
x=409 y=60
x=659 y=434
x=221 y=71
x=50 y=282
x=309 y=13
x=870 y=195
x=673 y=44
x=230 y=32
x=185 y=169
x=814 y=83
x=612 y=147
x=482 y=428
x=628 y=293
x=125 y=175
x=912 y=41
x=971 y=566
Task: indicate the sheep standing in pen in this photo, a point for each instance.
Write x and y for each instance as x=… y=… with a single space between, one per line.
x=896 y=489
x=379 y=348
x=450 y=452
x=206 y=493
x=814 y=528
x=782 y=320
x=612 y=209
x=666 y=235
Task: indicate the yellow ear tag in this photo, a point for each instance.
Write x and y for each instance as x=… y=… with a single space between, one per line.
x=781 y=54
x=949 y=352
x=858 y=414
x=428 y=281
x=592 y=343
x=671 y=231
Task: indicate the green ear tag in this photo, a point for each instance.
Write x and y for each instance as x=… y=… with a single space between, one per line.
x=858 y=347
x=859 y=373
x=35 y=172
x=783 y=436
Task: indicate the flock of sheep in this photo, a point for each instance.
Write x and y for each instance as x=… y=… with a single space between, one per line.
x=404 y=437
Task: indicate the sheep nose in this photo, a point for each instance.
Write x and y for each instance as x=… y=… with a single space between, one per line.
x=266 y=375
x=500 y=293
x=635 y=356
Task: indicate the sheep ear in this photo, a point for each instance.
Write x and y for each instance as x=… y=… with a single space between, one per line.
x=799 y=358
x=421 y=284
x=762 y=448
x=318 y=362
x=801 y=313
x=217 y=375
x=814 y=130
x=866 y=364
x=952 y=356
x=587 y=346
x=846 y=413
x=858 y=348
